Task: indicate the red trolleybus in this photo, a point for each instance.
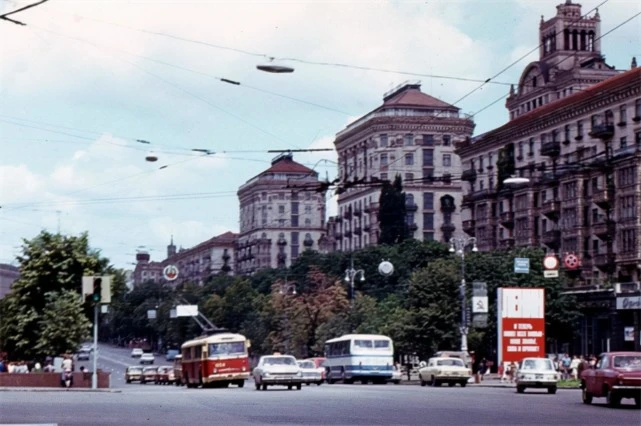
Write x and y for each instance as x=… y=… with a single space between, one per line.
x=216 y=360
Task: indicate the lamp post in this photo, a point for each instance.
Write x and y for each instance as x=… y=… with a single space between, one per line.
x=457 y=246
x=285 y=289
x=350 y=276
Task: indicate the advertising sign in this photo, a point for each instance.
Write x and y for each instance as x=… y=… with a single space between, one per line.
x=187 y=310
x=628 y=334
x=521 y=323
x=170 y=272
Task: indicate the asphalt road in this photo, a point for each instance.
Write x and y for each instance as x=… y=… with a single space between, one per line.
x=319 y=405
x=115 y=360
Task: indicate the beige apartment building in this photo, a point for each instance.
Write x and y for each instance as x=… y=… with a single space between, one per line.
x=411 y=134
x=282 y=213
x=575 y=134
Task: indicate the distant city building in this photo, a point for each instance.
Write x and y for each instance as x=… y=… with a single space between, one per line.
x=411 y=134
x=196 y=264
x=8 y=274
x=282 y=213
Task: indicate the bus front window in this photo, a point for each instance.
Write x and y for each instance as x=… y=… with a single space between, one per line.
x=227 y=348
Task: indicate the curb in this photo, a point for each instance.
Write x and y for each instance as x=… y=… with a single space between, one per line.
x=9 y=389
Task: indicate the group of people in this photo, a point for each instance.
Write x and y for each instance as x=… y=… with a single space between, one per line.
x=570 y=368
x=23 y=367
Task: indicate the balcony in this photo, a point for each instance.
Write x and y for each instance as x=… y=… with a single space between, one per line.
x=628 y=258
x=601 y=198
x=281 y=257
x=552 y=238
x=347 y=215
x=448 y=228
x=602 y=131
x=469 y=175
x=551 y=149
x=282 y=242
x=602 y=261
x=308 y=242
x=469 y=226
x=507 y=219
x=526 y=241
x=412 y=227
x=627 y=151
x=551 y=209
x=412 y=207
x=348 y=233
x=357 y=230
x=358 y=212
x=338 y=234
x=448 y=207
x=366 y=228
x=506 y=242
x=604 y=229
x=548 y=179
x=477 y=195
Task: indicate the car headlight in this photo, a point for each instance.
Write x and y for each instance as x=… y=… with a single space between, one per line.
x=299 y=374
x=266 y=373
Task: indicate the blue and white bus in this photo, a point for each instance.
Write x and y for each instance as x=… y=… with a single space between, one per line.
x=364 y=357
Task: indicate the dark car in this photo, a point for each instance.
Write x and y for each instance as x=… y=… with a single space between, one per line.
x=615 y=376
x=171 y=354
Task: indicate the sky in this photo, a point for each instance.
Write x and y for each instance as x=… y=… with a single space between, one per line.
x=89 y=89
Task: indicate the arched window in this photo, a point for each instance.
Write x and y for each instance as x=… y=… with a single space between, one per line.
x=591 y=41
x=575 y=40
x=584 y=44
x=566 y=39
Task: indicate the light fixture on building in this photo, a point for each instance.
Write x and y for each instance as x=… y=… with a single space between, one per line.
x=515 y=180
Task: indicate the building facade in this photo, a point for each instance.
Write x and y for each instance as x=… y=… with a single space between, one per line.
x=412 y=135
x=8 y=275
x=282 y=213
x=195 y=265
x=575 y=134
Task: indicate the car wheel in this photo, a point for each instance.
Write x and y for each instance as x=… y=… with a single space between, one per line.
x=423 y=382
x=552 y=390
x=241 y=383
x=463 y=384
x=397 y=382
x=451 y=384
x=128 y=381
x=520 y=389
x=612 y=399
x=299 y=386
x=585 y=395
x=319 y=383
x=289 y=387
x=434 y=382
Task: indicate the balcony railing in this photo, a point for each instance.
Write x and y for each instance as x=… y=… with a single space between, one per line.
x=411 y=207
x=603 y=229
x=551 y=149
x=602 y=131
x=551 y=209
x=469 y=175
x=358 y=212
x=412 y=227
x=507 y=219
x=357 y=230
x=601 y=198
x=448 y=227
x=366 y=228
x=506 y=242
x=469 y=226
x=552 y=238
x=602 y=261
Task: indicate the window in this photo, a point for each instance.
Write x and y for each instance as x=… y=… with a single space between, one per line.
x=480 y=163
x=383 y=141
x=409 y=159
x=627 y=176
x=281 y=209
x=428 y=201
x=579 y=129
x=428 y=173
x=447 y=140
x=308 y=209
x=637 y=110
x=623 y=114
x=623 y=141
x=629 y=241
x=447 y=160
x=627 y=207
x=409 y=140
x=520 y=149
x=383 y=160
x=308 y=222
x=428 y=140
x=409 y=177
x=566 y=135
x=294 y=220
x=428 y=236
x=428 y=157
x=383 y=176
x=544 y=138
x=531 y=146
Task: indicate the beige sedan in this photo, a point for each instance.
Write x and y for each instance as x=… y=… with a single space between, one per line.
x=444 y=370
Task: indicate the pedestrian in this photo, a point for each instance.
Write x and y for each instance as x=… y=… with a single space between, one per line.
x=67 y=363
x=3 y=368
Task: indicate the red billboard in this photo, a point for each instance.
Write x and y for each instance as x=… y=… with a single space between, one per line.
x=521 y=323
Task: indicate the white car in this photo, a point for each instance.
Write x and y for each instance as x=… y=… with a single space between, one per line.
x=136 y=353
x=311 y=373
x=441 y=370
x=147 y=358
x=536 y=373
x=280 y=370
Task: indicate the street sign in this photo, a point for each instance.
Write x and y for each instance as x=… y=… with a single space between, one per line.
x=479 y=321
x=521 y=265
x=551 y=274
x=151 y=314
x=550 y=262
x=187 y=310
x=170 y=273
x=479 y=305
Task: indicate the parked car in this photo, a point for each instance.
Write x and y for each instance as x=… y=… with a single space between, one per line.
x=147 y=358
x=536 y=373
x=465 y=356
x=171 y=354
x=148 y=374
x=319 y=362
x=311 y=373
x=136 y=352
x=133 y=374
x=615 y=376
x=277 y=370
x=162 y=377
x=441 y=370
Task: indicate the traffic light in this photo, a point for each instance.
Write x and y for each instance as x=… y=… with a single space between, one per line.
x=97 y=289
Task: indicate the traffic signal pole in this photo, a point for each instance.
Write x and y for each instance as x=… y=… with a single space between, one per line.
x=94 y=377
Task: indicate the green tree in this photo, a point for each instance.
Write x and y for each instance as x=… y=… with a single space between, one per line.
x=392 y=213
x=63 y=326
x=49 y=263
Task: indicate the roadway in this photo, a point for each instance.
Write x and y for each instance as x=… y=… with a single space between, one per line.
x=327 y=404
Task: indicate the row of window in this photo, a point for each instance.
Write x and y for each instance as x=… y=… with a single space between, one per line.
x=409 y=139
x=428 y=159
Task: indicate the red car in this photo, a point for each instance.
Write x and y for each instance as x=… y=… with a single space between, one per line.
x=615 y=376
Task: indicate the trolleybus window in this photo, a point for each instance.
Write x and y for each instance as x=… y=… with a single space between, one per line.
x=226 y=348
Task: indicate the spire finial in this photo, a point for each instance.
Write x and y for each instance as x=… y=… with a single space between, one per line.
x=633 y=65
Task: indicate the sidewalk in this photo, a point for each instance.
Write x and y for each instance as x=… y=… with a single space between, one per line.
x=489 y=381
x=57 y=389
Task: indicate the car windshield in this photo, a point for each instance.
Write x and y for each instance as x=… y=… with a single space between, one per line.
x=537 y=364
x=148 y=369
x=627 y=361
x=279 y=360
x=306 y=364
x=450 y=362
x=134 y=370
x=227 y=348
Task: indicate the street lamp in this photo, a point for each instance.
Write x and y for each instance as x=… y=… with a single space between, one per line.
x=515 y=180
x=457 y=246
x=350 y=276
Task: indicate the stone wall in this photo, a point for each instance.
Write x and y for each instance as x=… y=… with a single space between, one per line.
x=52 y=380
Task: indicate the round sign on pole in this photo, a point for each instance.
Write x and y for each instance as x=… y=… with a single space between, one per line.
x=550 y=262
x=170 y=272
x=385 y=268
x=571 y=261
